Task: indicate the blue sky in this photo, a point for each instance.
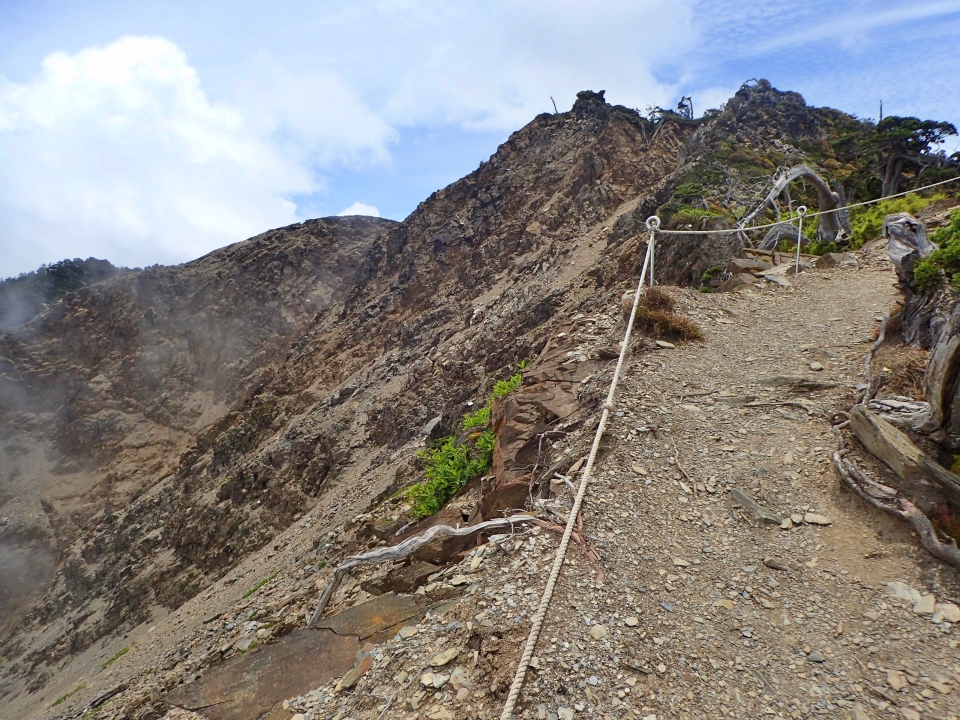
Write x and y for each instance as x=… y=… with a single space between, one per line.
x=149 y=132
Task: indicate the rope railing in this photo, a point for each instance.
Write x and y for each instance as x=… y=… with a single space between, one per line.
x=653 y=224
x=767 y=226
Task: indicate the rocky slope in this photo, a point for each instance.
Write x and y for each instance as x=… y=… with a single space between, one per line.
x=165 y=429
x=100 y=395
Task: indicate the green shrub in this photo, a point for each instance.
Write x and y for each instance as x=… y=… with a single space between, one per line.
x=688 y=191
x=867 y=222
x=944 y=261
x=708 y=275
x=453 y=461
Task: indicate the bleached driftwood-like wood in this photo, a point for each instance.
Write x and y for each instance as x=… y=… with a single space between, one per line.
x=834 y=223
x=405 y=548
x=898 y=452
x=889 y=500
x=873 y=384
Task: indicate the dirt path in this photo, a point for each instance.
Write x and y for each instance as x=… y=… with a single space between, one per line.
x=691 y=596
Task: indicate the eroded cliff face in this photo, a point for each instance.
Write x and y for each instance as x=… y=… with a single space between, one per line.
x=159 y=426
x=100 y=395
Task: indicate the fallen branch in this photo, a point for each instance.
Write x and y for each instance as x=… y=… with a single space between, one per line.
x=898 y=452
x=807 y=407
x=693 y=483
x=407 y=547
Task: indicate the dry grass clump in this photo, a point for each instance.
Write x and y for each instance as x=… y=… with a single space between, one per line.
x=903 y=367
x=656 y=317
x=656 y=299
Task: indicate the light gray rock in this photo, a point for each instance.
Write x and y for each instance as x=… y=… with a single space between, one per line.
x=925 y=605
x=902 y=591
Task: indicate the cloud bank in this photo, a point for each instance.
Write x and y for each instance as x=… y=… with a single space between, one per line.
x=359 y=208
x=117 y=152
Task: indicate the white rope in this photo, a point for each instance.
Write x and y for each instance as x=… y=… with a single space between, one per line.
x=653 y=224
x=810 y=215
x=801 y=211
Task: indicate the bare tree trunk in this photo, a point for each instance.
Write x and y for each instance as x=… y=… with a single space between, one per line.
x=834 y=224
x=892 y=175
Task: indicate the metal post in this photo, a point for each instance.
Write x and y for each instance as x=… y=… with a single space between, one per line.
x=653 y=224
x=801 y=211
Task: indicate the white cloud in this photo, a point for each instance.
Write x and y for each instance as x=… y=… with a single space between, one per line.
x=117 y=152
x=495 y=64
x=359 y=208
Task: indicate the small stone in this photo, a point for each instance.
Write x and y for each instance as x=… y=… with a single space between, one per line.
x=440 y=714
x=631 y=622
x=679 y=562
x=859 y=712
x=774 y=564
x=728 y=604
x=640 y=470
x=666 y=345
x=407 y=632
x=786 y=524
x=947 y=612
x=910 y=714
x=815 y=519
x=459 y=679
x=816 y=656
x=816 y=366
x=925 y=605
x=598 y=632
x=299 y=716
x=902 y=591
x=796 y=519
x=661 y=668
x=896 y=680
x=565 y=713
x=458 y=580
x=444 y=657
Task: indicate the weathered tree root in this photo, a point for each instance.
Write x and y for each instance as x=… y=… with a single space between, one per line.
x=873 y=384
x=889 y=500
x=407 y=547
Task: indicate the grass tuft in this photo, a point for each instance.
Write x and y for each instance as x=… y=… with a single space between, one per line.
x=116 y=657
x=66 y=696
x=259 y=585
x=656 y=317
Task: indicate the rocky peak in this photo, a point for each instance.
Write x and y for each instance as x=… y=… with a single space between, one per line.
x=590 y=103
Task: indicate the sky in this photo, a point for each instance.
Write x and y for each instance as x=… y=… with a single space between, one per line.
x=155 y=132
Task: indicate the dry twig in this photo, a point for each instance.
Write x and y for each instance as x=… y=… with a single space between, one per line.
x=408 y=546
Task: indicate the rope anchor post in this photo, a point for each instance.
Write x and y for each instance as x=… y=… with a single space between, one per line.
x=653 y=224
x=801 y=211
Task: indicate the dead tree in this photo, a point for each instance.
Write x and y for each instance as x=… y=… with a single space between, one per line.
x=834 y=222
